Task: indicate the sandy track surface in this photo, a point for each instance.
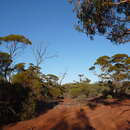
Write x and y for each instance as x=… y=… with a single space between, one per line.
x=71 y=115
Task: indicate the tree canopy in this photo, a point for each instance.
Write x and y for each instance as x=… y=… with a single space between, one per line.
x=11 y=47
x=15 y=38
x=5 y=62
x=110 y=18
x=115 y=69
x=13 y=43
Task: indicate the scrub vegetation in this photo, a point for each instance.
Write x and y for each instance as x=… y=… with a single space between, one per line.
x=26 y=92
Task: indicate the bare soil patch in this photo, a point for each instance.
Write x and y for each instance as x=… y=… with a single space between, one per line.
x=72 y=115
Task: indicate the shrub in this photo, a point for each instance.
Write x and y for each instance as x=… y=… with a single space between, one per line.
x=28 y=108
x=11 y=99
x=55 y=92
x=85 y=89
x=109 y=96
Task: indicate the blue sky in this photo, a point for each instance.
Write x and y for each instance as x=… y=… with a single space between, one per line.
x=52 y=22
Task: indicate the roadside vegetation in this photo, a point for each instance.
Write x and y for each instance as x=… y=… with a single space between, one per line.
x=25 y=91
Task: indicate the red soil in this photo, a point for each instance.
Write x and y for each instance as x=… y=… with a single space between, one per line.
x=70 y=115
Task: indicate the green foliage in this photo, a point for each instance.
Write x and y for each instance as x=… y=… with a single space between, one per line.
x=51 y=79
x=5 y=62
x=23 y=90
x=15 y=38
x=110 y=18
x=28 y=108
x=76 y=90
x=29 y=78
x=55 y=92
x=109 y=96
x=20 y=67
x=11 y=100
x=11 y=46
x=83 y=79
x=115 y=69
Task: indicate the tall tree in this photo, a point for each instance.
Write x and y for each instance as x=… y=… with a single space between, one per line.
x=110 y=18
x=13 y=43
x=52 y=79
x=5 y=62
x=115 y=69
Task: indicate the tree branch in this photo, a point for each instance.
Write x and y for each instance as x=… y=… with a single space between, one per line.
x=116 y=3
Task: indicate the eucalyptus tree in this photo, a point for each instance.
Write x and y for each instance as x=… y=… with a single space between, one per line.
x=110 y=18
x=5 y=62
x=52 y=79
x=115 y=69
x=13 y=44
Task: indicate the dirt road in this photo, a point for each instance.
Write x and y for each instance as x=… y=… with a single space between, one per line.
x=71 y=115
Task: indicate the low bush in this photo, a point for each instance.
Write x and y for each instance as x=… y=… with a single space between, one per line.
x=84 y=89
x=109 y=96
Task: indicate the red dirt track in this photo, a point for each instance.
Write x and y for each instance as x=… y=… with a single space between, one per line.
x=69 y=115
